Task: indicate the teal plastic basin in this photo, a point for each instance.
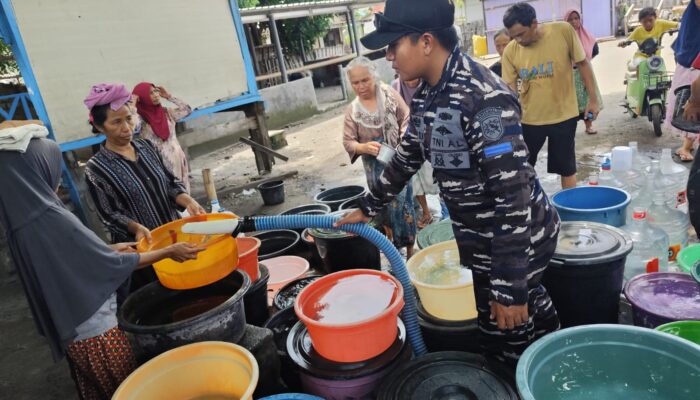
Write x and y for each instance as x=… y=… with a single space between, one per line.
x=606 y=362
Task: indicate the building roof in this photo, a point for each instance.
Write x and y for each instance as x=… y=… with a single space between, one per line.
x=301 y=10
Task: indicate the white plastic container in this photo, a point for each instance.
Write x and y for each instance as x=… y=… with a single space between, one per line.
x=672 y=221
x=650 y=246
x=679 y=174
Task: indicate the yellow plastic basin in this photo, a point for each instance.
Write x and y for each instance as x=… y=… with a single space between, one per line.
x=205 y=370
x=218 y=260
x=447 y=295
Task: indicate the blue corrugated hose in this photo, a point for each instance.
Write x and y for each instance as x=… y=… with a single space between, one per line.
x=398 y=266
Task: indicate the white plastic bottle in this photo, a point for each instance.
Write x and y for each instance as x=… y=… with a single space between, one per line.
x=679 y=174
x=672 y=221
x=664 y=184
x=650 y=251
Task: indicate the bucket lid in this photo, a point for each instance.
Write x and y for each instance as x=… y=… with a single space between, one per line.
x=587 y=243
x=301 y=351
x=449 y=375
x=435 y=233
x=669 y=295
x=323 y=233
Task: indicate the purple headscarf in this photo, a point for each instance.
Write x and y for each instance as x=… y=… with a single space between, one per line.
x=114 y=94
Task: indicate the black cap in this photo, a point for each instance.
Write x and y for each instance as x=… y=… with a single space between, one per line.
x=403 y=17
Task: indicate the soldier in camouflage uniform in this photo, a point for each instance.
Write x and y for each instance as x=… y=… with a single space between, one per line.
x=466 y=122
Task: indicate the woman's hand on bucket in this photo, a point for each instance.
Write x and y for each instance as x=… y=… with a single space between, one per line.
x=354 y=217
x=509 y=317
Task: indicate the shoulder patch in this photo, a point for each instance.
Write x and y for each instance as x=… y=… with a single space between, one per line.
x=491 y=123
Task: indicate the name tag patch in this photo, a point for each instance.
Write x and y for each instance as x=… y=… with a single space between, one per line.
x=448 y=145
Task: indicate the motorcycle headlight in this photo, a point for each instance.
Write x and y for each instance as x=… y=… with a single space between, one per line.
x=655 y=63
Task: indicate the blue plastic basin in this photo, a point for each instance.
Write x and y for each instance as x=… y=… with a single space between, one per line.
x=603 y=204
x=606 y=362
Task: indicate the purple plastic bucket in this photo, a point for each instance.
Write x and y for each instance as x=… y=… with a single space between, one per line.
x=663 y=297
x=339 y=381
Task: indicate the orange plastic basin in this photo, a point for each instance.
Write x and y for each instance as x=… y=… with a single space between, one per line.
x=205 y=370
x=217 y=261
x=351 y=315
x=283 y=270
x=248 y=248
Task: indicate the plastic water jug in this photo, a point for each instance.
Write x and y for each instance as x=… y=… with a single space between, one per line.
x=679 y=174
x=640 y=162
x=650 y=249
x=672 y=221
x=607 y=178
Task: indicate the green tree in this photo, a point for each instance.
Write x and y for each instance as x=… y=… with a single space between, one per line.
x=295 y=33
x=8 y=65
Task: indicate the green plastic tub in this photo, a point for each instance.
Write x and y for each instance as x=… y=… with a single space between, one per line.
x=606 y=362
x=688 y=257
x=689 y=330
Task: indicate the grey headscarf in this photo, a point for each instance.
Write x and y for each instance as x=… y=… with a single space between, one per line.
x=67 y=271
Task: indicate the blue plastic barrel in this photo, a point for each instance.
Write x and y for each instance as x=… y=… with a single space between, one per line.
x=607 y=205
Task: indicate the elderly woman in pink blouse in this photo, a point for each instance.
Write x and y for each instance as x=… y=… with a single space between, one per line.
x=379 y=115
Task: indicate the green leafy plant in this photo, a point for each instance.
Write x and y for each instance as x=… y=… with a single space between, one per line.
x=294 y=33
x=8 y=65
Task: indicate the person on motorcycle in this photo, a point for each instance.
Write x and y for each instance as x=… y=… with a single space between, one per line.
x=651 y=28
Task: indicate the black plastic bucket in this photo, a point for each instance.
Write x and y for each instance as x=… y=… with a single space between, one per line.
x=311 y=251
x=339 y=381
x=339 y=195
x=272 y=192
x=308 y=209
x=682 y=95
x=442 y=335
x=255 y=299
x=160 y=319
x=281 y=324
x=350 y=204
x=277 y=243
x=341 y=251
x=584 y=278
x=449 y=375
x=289 y=292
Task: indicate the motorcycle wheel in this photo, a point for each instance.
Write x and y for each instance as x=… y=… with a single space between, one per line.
x=655 y=111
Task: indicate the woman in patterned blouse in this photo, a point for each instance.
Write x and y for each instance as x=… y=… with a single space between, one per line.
x=131 y=187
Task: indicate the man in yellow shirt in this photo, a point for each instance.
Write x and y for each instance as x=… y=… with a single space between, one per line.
x=542 y=57
x=651 y=28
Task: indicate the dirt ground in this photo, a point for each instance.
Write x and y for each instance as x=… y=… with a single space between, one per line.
x=316 y=153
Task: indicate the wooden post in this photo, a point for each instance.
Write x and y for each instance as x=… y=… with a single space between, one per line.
x=209 y=185
x=259 y=135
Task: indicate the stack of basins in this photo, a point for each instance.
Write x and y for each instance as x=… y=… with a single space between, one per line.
x=349 y=336
x=447 y=308
x=212 y=298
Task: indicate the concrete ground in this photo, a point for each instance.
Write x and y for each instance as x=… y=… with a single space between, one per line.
x=316 y=153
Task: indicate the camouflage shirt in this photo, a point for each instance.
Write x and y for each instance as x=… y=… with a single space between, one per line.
x=468 y=127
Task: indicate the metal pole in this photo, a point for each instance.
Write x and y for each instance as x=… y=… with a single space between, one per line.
x=358 y=46
x=351 y=30
x=278 y=48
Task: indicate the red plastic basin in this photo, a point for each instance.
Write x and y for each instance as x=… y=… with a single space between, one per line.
x=351 y=315
x=248 y=256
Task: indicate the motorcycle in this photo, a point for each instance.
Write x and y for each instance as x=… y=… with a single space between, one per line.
x=648 y=83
